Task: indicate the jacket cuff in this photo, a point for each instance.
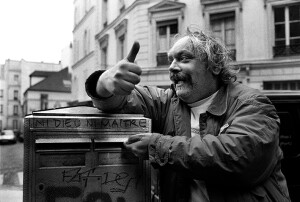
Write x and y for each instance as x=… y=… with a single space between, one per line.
x=91 y=83
x=159 y=149
x=100 y=102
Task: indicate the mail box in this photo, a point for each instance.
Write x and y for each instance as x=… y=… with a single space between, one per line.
x=77 y=154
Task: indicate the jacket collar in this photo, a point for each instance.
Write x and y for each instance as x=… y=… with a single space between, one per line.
x=219 y=105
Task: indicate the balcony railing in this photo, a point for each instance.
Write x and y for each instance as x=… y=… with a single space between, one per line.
x=290 y=50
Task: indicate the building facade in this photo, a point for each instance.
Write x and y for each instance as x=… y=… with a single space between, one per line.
x=263 y=36
x=85 y=21
x=3 y=100
x=14 y=81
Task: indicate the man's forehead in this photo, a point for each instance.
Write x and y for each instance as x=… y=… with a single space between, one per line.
x=182 y=44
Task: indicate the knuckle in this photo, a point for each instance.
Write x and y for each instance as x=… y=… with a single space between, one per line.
x=118 y=75
x=139 y=71
x=138 y=80
x=123 y=66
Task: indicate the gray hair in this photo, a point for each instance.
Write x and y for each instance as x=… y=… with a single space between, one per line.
x=212 y=50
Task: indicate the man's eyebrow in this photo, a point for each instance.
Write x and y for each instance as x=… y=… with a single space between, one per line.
x=176 y=54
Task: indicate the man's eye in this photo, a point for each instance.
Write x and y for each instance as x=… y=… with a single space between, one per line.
x=170 y=59
x=184 y=58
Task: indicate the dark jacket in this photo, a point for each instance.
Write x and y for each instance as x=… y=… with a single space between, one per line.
x=237 y=153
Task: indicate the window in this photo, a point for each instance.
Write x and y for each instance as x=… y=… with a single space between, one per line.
x=166 y=31
x=121 y=31
x=104 y=13
x=15 y=125
x=223 y=28
x=166 y=20
x=121 y=47
x=104 y=58
x=44 y=101
x=16 y=77
x=1 y=92
x=121 y=6
x=281 y=85
x=16 y=94
x=15 y=112
x=1 y=109
x=86 y=42
x=103 y=42
x=287 y=30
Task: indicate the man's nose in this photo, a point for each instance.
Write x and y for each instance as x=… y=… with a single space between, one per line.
x=174 y=66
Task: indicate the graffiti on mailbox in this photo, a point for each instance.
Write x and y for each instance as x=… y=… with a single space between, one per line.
x=109 y=183
x=102 y=123
x=117 y=182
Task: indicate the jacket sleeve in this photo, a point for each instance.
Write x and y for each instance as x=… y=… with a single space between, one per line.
x=244 y=154
x=152 y=102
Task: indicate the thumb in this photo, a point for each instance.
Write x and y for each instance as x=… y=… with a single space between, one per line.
x=133 y=52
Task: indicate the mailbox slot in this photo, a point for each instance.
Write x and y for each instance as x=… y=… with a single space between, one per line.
x=48 y=160
x=72 y=144
x=103 y=145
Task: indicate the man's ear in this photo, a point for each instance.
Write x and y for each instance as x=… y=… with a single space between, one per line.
x=215 y=70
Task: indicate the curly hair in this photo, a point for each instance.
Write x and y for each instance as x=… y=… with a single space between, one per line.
x=212 y=50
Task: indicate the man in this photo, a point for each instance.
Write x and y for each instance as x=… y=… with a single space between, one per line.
x=214 y=139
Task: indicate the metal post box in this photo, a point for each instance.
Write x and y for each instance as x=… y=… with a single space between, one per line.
x=77 y=154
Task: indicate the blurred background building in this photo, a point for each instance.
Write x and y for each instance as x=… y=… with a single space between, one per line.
x=15 y=79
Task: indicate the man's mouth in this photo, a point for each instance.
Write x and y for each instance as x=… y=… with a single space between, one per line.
x=179 y=83
x=178 y=79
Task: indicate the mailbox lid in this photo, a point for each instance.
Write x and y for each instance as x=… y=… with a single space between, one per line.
x=79 y=111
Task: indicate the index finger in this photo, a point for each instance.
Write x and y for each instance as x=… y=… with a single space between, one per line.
x=133 y=52
x=133 y=138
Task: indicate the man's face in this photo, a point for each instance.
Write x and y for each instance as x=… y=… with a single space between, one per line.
x=192 y=79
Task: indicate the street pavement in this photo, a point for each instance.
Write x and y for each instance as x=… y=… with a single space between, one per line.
x=11 y=187
x=11 y=172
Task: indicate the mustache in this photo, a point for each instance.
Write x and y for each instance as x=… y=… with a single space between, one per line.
x=175 y=77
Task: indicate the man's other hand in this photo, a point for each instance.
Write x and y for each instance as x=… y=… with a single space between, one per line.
x=138 y=144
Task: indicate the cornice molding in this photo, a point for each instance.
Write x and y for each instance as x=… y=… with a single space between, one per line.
x=166 y=6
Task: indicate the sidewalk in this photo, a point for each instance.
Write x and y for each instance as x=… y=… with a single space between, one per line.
x=11 y=187
x=11 y=194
